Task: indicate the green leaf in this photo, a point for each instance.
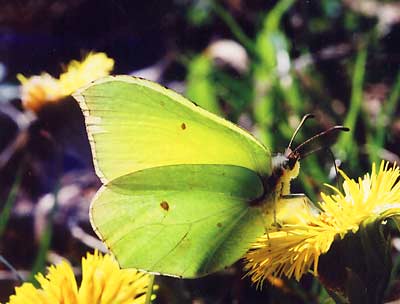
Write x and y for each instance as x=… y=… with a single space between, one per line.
x=200 y=85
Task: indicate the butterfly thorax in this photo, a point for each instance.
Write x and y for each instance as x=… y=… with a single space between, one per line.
x=284 y=170
x=285 y=167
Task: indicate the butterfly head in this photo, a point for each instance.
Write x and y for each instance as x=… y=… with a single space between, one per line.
x=286 y=166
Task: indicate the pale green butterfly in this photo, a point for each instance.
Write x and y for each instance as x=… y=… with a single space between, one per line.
x=185 y=192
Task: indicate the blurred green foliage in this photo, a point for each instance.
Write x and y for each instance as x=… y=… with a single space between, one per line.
x=200 y=84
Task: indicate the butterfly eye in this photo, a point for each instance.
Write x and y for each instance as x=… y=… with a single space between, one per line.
x=164 y=205
x=293 y=157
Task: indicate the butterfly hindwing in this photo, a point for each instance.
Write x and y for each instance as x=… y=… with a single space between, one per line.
x=180 y=220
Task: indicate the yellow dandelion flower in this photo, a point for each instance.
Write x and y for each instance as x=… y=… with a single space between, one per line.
x=103 y=282
x=78 y=74
x=295 y=248
x=37 y=91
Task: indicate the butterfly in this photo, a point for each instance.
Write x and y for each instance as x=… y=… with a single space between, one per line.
x=185 y=192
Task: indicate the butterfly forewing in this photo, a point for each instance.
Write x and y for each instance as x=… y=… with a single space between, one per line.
x=134 y=124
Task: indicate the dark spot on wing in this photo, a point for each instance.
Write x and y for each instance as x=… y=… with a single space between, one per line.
x=219 y=225
x=164 y=205
x=183 y=126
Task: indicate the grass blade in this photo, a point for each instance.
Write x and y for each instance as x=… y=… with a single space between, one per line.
x=346 y=139
x=44 y=244
x=5 y=213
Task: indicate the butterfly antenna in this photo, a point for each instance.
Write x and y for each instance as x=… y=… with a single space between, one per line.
x=303 y=120
x=321 y=134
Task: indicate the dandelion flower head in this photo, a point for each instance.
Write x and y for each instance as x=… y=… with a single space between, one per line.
x=102 y=282
x=295 y=248
x=39 y=90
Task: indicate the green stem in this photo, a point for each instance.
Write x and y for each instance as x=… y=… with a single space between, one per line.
x=345 y=142
x=275 y=16
x=149 y=292
x=44 y=244
x=5 y=213
x=234 y=27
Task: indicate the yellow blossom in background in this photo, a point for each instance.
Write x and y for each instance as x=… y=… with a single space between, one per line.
x=37 y=91
x=78 y=74
x=103 y=282
x=295 y=248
